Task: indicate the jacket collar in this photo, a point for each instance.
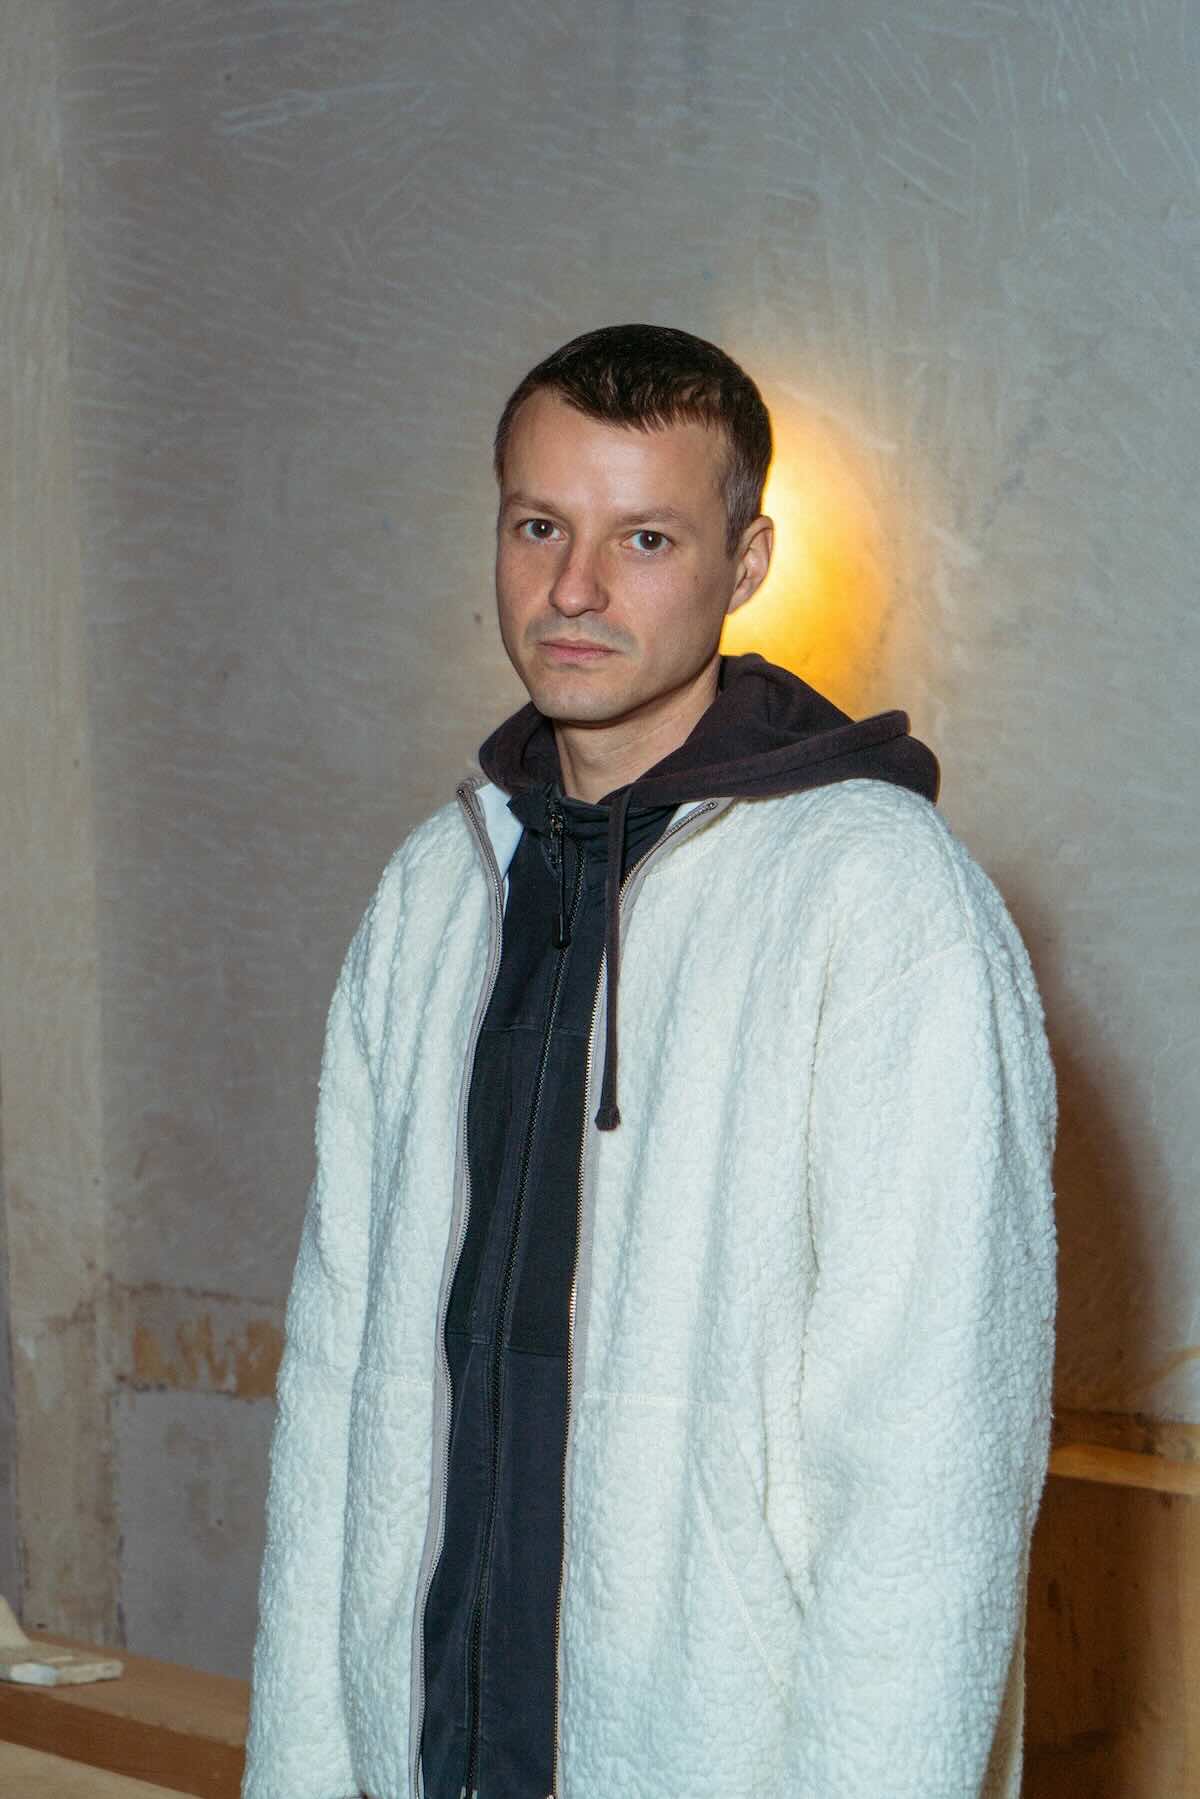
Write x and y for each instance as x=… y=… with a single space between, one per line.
x=505 y=831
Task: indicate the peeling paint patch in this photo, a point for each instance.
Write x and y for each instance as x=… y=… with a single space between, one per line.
x=170 y=1338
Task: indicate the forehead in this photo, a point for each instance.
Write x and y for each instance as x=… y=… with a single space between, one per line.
x=556 y=451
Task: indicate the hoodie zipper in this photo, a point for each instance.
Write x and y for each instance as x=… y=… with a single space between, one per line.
x=684 y=826
x=563 y=934
x=466 y=797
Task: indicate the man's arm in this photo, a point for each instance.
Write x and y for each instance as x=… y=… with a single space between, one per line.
x=927 y=1373
x=298 y=1746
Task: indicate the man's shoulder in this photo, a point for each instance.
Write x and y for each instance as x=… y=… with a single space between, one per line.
x=426 y=847
x=858 y=825
x=883 y=853
x=427 y=866
x=413 y=901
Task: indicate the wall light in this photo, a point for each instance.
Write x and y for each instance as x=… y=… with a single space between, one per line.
x=821 y=610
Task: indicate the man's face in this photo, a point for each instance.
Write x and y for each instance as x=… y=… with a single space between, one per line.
x=612 y=576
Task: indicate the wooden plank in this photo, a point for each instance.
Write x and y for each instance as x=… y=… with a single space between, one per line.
x=1112 y=1706
x=1125 y=1468
x=178 y=1727
x=32 y=1775
x=1173 y=1438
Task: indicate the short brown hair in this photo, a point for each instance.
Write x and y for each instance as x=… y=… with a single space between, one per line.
x=650 y=376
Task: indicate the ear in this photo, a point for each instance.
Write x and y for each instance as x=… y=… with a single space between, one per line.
x=753 y=561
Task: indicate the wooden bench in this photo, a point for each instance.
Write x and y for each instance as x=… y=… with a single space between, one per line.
x=179 y=1729
x=28 y=1774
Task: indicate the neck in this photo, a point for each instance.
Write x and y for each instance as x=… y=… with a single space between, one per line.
x=597 y=759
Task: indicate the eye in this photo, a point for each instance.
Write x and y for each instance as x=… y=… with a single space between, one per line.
x=652 y=542
x=536 y=530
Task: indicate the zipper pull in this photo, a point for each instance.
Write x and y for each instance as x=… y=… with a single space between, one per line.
x=558 y=859
x=555 y=819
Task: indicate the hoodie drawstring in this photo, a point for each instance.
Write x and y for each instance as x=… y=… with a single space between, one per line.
x=609 y=1116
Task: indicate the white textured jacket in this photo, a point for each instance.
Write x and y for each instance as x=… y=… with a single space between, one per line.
x=812 y=1322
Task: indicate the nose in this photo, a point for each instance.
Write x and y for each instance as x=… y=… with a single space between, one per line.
x=578 y=586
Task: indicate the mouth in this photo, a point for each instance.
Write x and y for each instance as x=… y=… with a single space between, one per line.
x=565 y=650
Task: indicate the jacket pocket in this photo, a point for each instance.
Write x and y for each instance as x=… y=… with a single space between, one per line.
x=680 y=1630
x=732 y=1517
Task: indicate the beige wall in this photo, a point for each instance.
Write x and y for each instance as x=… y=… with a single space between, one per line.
x=302 y=254
x=53 y=1179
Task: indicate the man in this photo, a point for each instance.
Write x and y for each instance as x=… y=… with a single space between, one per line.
x=666 y=1398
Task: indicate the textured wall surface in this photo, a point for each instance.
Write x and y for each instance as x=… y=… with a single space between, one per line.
x=311 y=247
x=10 y=1568
x=59 y=1493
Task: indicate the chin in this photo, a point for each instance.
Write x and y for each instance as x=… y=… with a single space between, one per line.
x=578 y=709
x=573 y=700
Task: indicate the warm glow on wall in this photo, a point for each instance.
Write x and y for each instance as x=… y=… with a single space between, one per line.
x=820 y=610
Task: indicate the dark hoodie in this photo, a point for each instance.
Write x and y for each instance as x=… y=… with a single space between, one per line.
x=490 y=1615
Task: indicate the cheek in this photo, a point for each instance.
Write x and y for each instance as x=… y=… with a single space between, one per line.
x=521 y=574
x=662 y=596
x=682 y=614
x=504 y=569
x=512 y=585
x=508 y=617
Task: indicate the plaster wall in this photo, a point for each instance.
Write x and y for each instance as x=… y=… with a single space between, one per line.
x=57 y=1536
x=10 y=1566
x=311 y=247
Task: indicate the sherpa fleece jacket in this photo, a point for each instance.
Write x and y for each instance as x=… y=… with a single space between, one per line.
x=811 y=1328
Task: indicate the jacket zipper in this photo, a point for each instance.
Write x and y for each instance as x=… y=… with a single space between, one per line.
x=466 y=797
x=685 y=825
x=500 y=1325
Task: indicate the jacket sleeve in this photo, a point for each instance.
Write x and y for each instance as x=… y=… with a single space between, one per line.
x=926 y=1376
x=298 y=1746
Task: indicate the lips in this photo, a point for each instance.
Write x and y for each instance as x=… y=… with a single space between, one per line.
x=565 y=650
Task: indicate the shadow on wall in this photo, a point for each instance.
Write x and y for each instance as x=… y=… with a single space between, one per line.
x=1106 y=1266
x=1108 y=1648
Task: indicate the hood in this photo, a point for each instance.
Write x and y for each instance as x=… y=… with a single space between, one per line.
x=766 y=733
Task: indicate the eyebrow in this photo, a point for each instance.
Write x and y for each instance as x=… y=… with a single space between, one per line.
x=670 y=515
